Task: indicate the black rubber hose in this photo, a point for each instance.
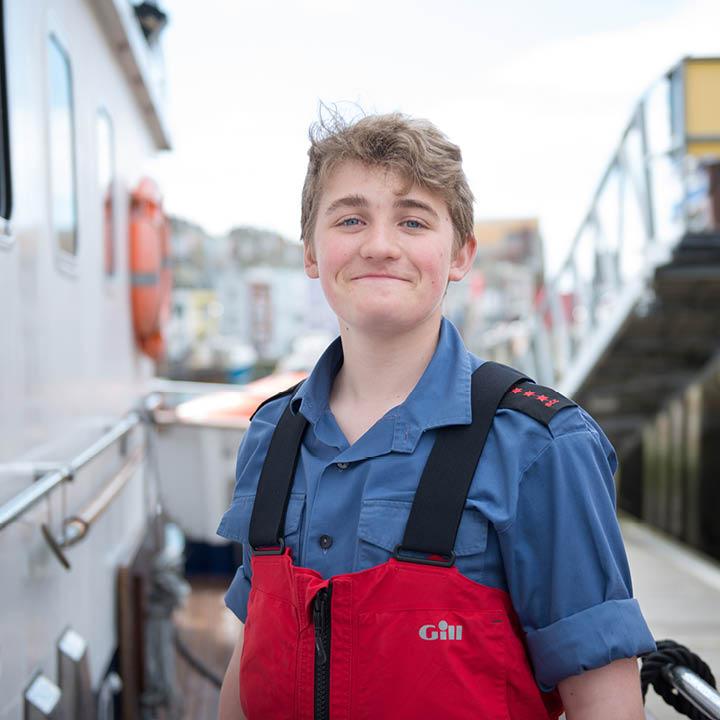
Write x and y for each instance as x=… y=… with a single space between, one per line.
x=197 y=665
x=671 y=653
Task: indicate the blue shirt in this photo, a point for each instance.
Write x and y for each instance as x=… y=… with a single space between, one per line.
x=539 y=520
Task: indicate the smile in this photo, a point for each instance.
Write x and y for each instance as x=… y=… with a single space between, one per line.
x=379 y=276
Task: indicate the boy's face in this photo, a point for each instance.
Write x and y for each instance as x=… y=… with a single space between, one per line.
x=384 y=259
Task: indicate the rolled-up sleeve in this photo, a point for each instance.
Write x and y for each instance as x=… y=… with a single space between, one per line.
x=234 y=526
x=565 y=562
x=236 y=598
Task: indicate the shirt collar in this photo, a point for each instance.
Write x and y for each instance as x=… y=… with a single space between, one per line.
x=441 y=396
x=313 y=396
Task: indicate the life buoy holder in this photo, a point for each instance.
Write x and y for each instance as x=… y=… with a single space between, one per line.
x=150 y=271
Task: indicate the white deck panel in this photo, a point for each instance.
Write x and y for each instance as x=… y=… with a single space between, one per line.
x=679 y=593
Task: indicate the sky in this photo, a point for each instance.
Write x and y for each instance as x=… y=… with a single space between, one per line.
x=535 y=94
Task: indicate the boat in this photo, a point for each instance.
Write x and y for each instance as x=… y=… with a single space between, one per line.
x=84 y=288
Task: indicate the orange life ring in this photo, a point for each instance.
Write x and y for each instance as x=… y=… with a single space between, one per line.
x=150 y=272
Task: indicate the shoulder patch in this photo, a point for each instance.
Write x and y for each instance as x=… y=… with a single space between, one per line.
x=541 y=403
x=290 y=391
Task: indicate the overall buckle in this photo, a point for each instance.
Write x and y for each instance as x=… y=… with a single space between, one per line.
x=272 y=550
x=397 y=552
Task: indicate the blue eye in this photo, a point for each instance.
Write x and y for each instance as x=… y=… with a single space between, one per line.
x=350 y=222
x=413 y=224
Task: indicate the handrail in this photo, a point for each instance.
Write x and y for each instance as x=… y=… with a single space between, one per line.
x=24 y=500
x=694 y=689
x=27 y=498
x=37 y=468
x=650 y=195
x=77 y=526
x=588 y=294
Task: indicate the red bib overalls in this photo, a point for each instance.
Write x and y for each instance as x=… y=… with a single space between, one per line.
x=409 y=639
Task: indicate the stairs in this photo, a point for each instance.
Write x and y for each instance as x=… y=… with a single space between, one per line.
x=672 y=333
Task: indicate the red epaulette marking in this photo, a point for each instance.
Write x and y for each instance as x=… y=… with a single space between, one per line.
x=541 y=403
x=544 y=399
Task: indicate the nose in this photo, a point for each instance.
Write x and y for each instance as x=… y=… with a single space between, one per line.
x=379 y=243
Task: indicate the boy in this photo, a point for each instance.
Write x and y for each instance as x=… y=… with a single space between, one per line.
x=530 y=598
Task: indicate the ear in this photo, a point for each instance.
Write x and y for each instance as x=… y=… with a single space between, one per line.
x=462 y=259
x=311 y=266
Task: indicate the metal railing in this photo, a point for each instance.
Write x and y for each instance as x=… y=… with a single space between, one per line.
x=694 y=689
x=76 y=527
x=649 y=196
x=49 y=480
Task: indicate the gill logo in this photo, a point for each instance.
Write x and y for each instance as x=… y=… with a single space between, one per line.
x=443 y=632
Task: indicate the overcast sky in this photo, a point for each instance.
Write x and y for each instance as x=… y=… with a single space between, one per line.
x=536 y=94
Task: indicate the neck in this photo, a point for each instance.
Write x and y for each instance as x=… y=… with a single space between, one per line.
x=378 y=373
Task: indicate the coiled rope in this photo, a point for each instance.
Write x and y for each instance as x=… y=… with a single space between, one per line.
x=671 y=653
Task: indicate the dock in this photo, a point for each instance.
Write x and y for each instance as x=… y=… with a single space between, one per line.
x=679 y=592
x=209 y=630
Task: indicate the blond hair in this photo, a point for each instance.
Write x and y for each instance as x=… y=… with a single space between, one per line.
x=412 y=147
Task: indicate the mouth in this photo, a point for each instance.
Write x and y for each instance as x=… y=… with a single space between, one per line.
x=379 y=276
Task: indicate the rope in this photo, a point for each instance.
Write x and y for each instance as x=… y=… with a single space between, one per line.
x=197 y=665
x=670 y=653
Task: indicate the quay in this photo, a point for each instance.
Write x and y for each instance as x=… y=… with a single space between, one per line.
x=679 y=592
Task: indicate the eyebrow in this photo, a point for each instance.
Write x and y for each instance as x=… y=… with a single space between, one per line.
x=351 y=201
x=354 y=201
x=416 y=204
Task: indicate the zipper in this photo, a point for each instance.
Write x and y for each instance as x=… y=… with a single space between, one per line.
x=321 y=618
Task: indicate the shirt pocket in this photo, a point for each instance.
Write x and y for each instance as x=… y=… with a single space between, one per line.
x=235 y=524
x=382 y=526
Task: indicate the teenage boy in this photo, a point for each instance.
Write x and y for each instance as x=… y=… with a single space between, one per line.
x=530 y=599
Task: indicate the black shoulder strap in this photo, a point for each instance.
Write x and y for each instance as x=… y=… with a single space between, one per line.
x=440 y=498
x=273 y=492
x=540 y=403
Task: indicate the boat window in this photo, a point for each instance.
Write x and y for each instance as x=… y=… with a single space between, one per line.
x=5 y=186
x=62 y=148
x=106 y=185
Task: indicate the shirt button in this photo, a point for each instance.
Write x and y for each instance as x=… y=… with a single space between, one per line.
x=325 y=542
x=341 y=465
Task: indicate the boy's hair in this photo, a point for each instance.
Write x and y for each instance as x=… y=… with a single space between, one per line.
x=412 y=147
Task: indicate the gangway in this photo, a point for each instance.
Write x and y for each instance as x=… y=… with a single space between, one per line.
x=633 y=315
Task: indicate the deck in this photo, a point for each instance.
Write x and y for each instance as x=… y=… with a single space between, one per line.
x=678 y=590
x=208 y=629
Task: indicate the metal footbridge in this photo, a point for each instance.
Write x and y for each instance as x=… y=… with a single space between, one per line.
x=633 y=315
x=629 y=327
